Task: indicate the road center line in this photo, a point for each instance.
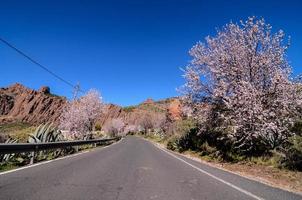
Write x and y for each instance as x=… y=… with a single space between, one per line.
x=211 y=175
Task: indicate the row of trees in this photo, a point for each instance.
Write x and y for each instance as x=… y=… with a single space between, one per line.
x=239 y=88
x=80 y=116
x=147 y=123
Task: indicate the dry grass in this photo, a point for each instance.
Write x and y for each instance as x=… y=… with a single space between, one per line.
x=17 y=130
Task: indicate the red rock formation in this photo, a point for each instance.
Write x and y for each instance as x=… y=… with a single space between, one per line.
x=44 y=90
x=148 y=101
x=19 y=103
x=174 y=110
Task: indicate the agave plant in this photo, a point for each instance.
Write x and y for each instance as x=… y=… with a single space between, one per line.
x=46 y=133
x=8 y=157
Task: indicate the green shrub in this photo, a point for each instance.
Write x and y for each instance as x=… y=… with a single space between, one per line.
x=206 y=149
x=190 y=141
x=152 y=108
x=268 y=160
x=97 y=134
x=184 y=126
x=131 y=133
x=129 y=108
x=292 y=158
x=97 y=127
x=297 y=128
x=7 y=166
x=214 y=143
x=184 y=135
x=172 y=143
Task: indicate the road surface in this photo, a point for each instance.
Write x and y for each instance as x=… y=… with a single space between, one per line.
x=133 y=169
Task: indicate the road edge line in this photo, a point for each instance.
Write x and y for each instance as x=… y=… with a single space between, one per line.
x=158 y=145
x=209 y=174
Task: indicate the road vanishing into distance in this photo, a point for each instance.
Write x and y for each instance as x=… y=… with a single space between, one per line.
x=132 y=169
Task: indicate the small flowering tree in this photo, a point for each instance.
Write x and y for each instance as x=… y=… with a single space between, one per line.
x=131 y=128
x=151 y=121
x=243 y=76
x=80 y=115
x=145 y=122
x=114 y=127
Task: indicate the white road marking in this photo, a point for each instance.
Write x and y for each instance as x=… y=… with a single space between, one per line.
x=61 y=158
x=211 y=175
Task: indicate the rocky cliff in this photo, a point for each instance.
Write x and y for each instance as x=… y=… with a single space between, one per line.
x=19 y=103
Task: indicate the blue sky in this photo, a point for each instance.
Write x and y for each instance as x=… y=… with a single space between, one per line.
x=129 y=50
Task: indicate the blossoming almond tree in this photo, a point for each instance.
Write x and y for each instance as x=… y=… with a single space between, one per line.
x=114 y=127
x=151 y=121
x=244 y=76
x=80 y=115
x=131 y=128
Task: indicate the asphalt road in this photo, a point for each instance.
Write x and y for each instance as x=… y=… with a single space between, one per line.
x=133 y=169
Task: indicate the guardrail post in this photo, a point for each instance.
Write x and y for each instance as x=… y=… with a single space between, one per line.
x=32 y=157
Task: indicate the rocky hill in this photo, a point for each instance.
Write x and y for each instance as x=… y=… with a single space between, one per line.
x=22 y=104
x=170 y=108
x=19 y=103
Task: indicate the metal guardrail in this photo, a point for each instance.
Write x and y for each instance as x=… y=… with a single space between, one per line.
x=32 y=147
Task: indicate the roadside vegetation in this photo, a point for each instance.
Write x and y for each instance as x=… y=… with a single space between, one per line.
x=77 y=121
x=240 y=100
x=43 y=133
x=16 y=130
x=240 y=92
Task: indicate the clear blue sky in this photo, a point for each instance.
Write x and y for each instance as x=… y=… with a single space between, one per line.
x=129 y=50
